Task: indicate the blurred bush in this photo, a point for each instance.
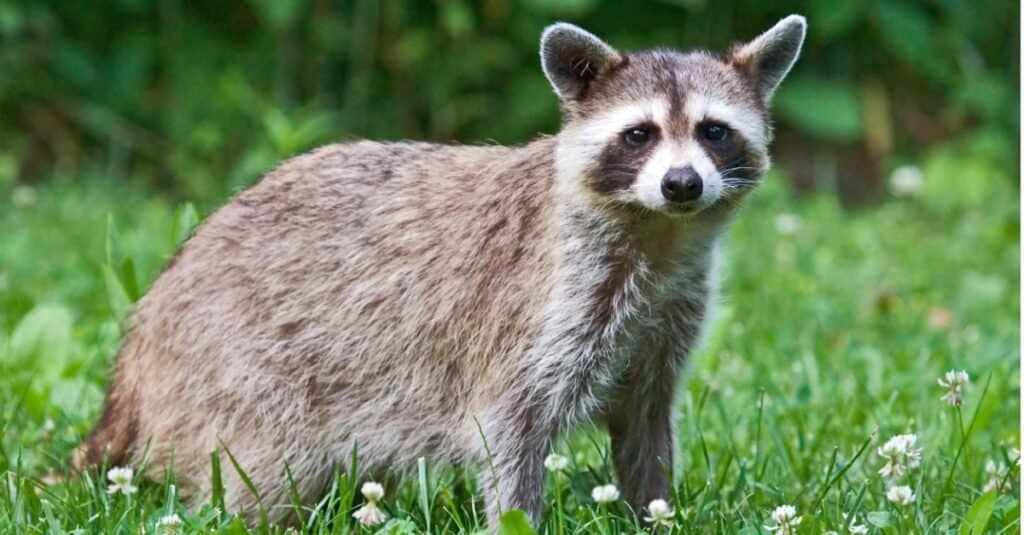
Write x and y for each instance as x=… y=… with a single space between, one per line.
x=201 y=98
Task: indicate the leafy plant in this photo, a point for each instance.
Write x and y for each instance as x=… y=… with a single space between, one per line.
x=200 y=99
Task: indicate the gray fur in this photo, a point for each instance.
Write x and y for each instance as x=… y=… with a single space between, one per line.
x=769 y=58
x=407 y=297
x=571 y=57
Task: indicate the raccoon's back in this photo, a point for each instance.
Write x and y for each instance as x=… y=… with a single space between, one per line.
x=355 y=260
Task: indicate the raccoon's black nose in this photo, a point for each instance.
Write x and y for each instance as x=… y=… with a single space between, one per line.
x=682 y=184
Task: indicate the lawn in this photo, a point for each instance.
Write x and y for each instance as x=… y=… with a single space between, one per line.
x=832 y=333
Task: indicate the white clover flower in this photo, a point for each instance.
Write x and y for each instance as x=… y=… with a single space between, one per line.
x=955 y=381
x=370 y=515
x=855 y=528
x=788 y=224
x=997 y=479
x=121 y=480
x=169 y=523
x=906 y=181
x=372 y=491
x=661 y=513
x=900 y=456
x=786 y=520
x=556 y=462
x=901 y=495
x=605 y=493
x=1014 y=454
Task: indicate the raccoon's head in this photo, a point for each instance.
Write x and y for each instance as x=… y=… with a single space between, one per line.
x=673 y=132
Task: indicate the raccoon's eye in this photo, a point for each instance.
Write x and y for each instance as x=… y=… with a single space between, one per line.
x=637 y=136
x=714 y=131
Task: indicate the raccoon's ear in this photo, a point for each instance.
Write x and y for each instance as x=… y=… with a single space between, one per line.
x=768 y=58
x=573 y=57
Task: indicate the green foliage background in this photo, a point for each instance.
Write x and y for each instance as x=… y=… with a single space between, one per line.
x=116 y=116
x=199 y=98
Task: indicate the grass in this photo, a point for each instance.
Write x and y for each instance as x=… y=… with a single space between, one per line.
x=828 y=342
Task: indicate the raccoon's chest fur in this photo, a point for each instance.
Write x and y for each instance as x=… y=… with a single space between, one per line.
x=631 y=298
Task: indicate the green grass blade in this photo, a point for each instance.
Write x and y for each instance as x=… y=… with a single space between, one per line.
x=978 y=515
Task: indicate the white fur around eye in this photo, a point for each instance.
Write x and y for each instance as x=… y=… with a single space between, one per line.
x=750 y=123
x=581 y=144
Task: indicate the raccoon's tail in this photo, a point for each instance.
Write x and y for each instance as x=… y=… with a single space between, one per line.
x=114 y=436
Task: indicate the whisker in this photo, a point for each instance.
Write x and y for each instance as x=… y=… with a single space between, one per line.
x=738 y=168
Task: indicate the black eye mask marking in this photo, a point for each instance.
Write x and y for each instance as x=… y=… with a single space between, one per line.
x=729 y=150
x=637 y=136
x=714 y=131
x=623 y=157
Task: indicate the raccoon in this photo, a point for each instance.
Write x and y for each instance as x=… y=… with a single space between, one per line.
x=459 y=303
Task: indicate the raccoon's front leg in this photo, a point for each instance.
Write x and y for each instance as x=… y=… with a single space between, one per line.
x=640 y=425
x=517 y=438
